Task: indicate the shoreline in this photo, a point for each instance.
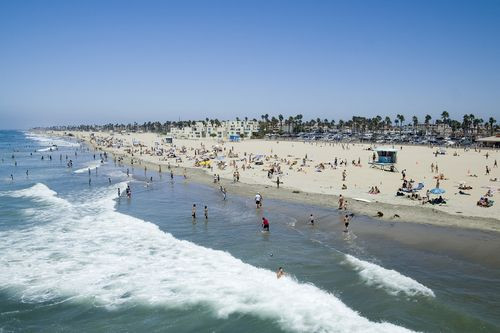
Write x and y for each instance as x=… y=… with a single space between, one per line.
x=408 y=213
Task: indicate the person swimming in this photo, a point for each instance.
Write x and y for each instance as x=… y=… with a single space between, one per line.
x=280 y=273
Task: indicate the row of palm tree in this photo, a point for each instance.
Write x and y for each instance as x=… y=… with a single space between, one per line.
x=469 y=126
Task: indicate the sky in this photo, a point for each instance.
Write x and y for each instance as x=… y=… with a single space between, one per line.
x=95 y=62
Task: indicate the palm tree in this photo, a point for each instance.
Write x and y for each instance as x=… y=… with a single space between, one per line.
x=290 y=124
x=427 y=122
x=415 y=123
x=280 y=117
x=445 y=116
x=401 y=120
x=491 y=121
x=466 y=123
x=475 y=124
x=388 y=121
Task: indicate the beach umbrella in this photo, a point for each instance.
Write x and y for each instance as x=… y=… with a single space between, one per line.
x=437 y=191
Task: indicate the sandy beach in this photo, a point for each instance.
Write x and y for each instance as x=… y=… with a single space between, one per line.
x=308 y=174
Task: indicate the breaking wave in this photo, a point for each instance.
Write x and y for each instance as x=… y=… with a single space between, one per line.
x=91 y=252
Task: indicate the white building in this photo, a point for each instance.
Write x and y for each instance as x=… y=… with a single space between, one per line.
x=201 y=129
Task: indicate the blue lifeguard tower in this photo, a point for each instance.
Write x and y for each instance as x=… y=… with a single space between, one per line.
x=386 y=158
x=234 y=138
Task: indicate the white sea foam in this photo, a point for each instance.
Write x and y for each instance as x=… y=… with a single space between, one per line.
x=44 y=140
x=90 y=252
x=46 y=149
x=390 y=280
x=91 y=165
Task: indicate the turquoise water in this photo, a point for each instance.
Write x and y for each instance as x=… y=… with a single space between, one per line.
x=76 y=257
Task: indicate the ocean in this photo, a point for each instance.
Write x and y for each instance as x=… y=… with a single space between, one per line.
x=76 y=257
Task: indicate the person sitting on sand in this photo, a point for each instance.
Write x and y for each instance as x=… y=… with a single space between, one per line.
x=344 y=186
x=372 y=190
x=377 y=191
x=483 y=202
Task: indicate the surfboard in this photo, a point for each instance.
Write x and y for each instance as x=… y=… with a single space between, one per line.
x=361 y=199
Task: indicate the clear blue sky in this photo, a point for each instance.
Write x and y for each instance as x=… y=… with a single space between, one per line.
x=72 y=62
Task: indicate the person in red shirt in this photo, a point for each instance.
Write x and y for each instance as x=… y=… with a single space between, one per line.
x=265 y=224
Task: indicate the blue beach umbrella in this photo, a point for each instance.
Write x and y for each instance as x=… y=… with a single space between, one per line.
x=437 y=191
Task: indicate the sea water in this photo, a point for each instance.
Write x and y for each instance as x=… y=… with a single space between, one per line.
x=74 y=256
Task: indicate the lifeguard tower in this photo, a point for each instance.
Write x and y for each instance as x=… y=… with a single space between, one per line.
x=386 y=159
x=234 y=138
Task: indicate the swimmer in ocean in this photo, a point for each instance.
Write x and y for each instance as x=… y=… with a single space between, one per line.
x=280 y=273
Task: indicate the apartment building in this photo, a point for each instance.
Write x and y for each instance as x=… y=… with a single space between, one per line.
x=201 y=130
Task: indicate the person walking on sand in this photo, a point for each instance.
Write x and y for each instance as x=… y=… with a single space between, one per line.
x=278 y=182
x=344 y=175
x=341 y=202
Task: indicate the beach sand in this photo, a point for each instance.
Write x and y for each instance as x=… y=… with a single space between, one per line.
x=306 y=185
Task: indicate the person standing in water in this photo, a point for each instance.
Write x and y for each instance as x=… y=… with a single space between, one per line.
x=311 y=219
x=223 y=190
x=341 y=202
x=258 y=200
x=193 y=211
x=265 y=224
x=346 y=222
x=206 y=212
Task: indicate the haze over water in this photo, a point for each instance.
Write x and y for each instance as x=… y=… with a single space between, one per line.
x=76 y=257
